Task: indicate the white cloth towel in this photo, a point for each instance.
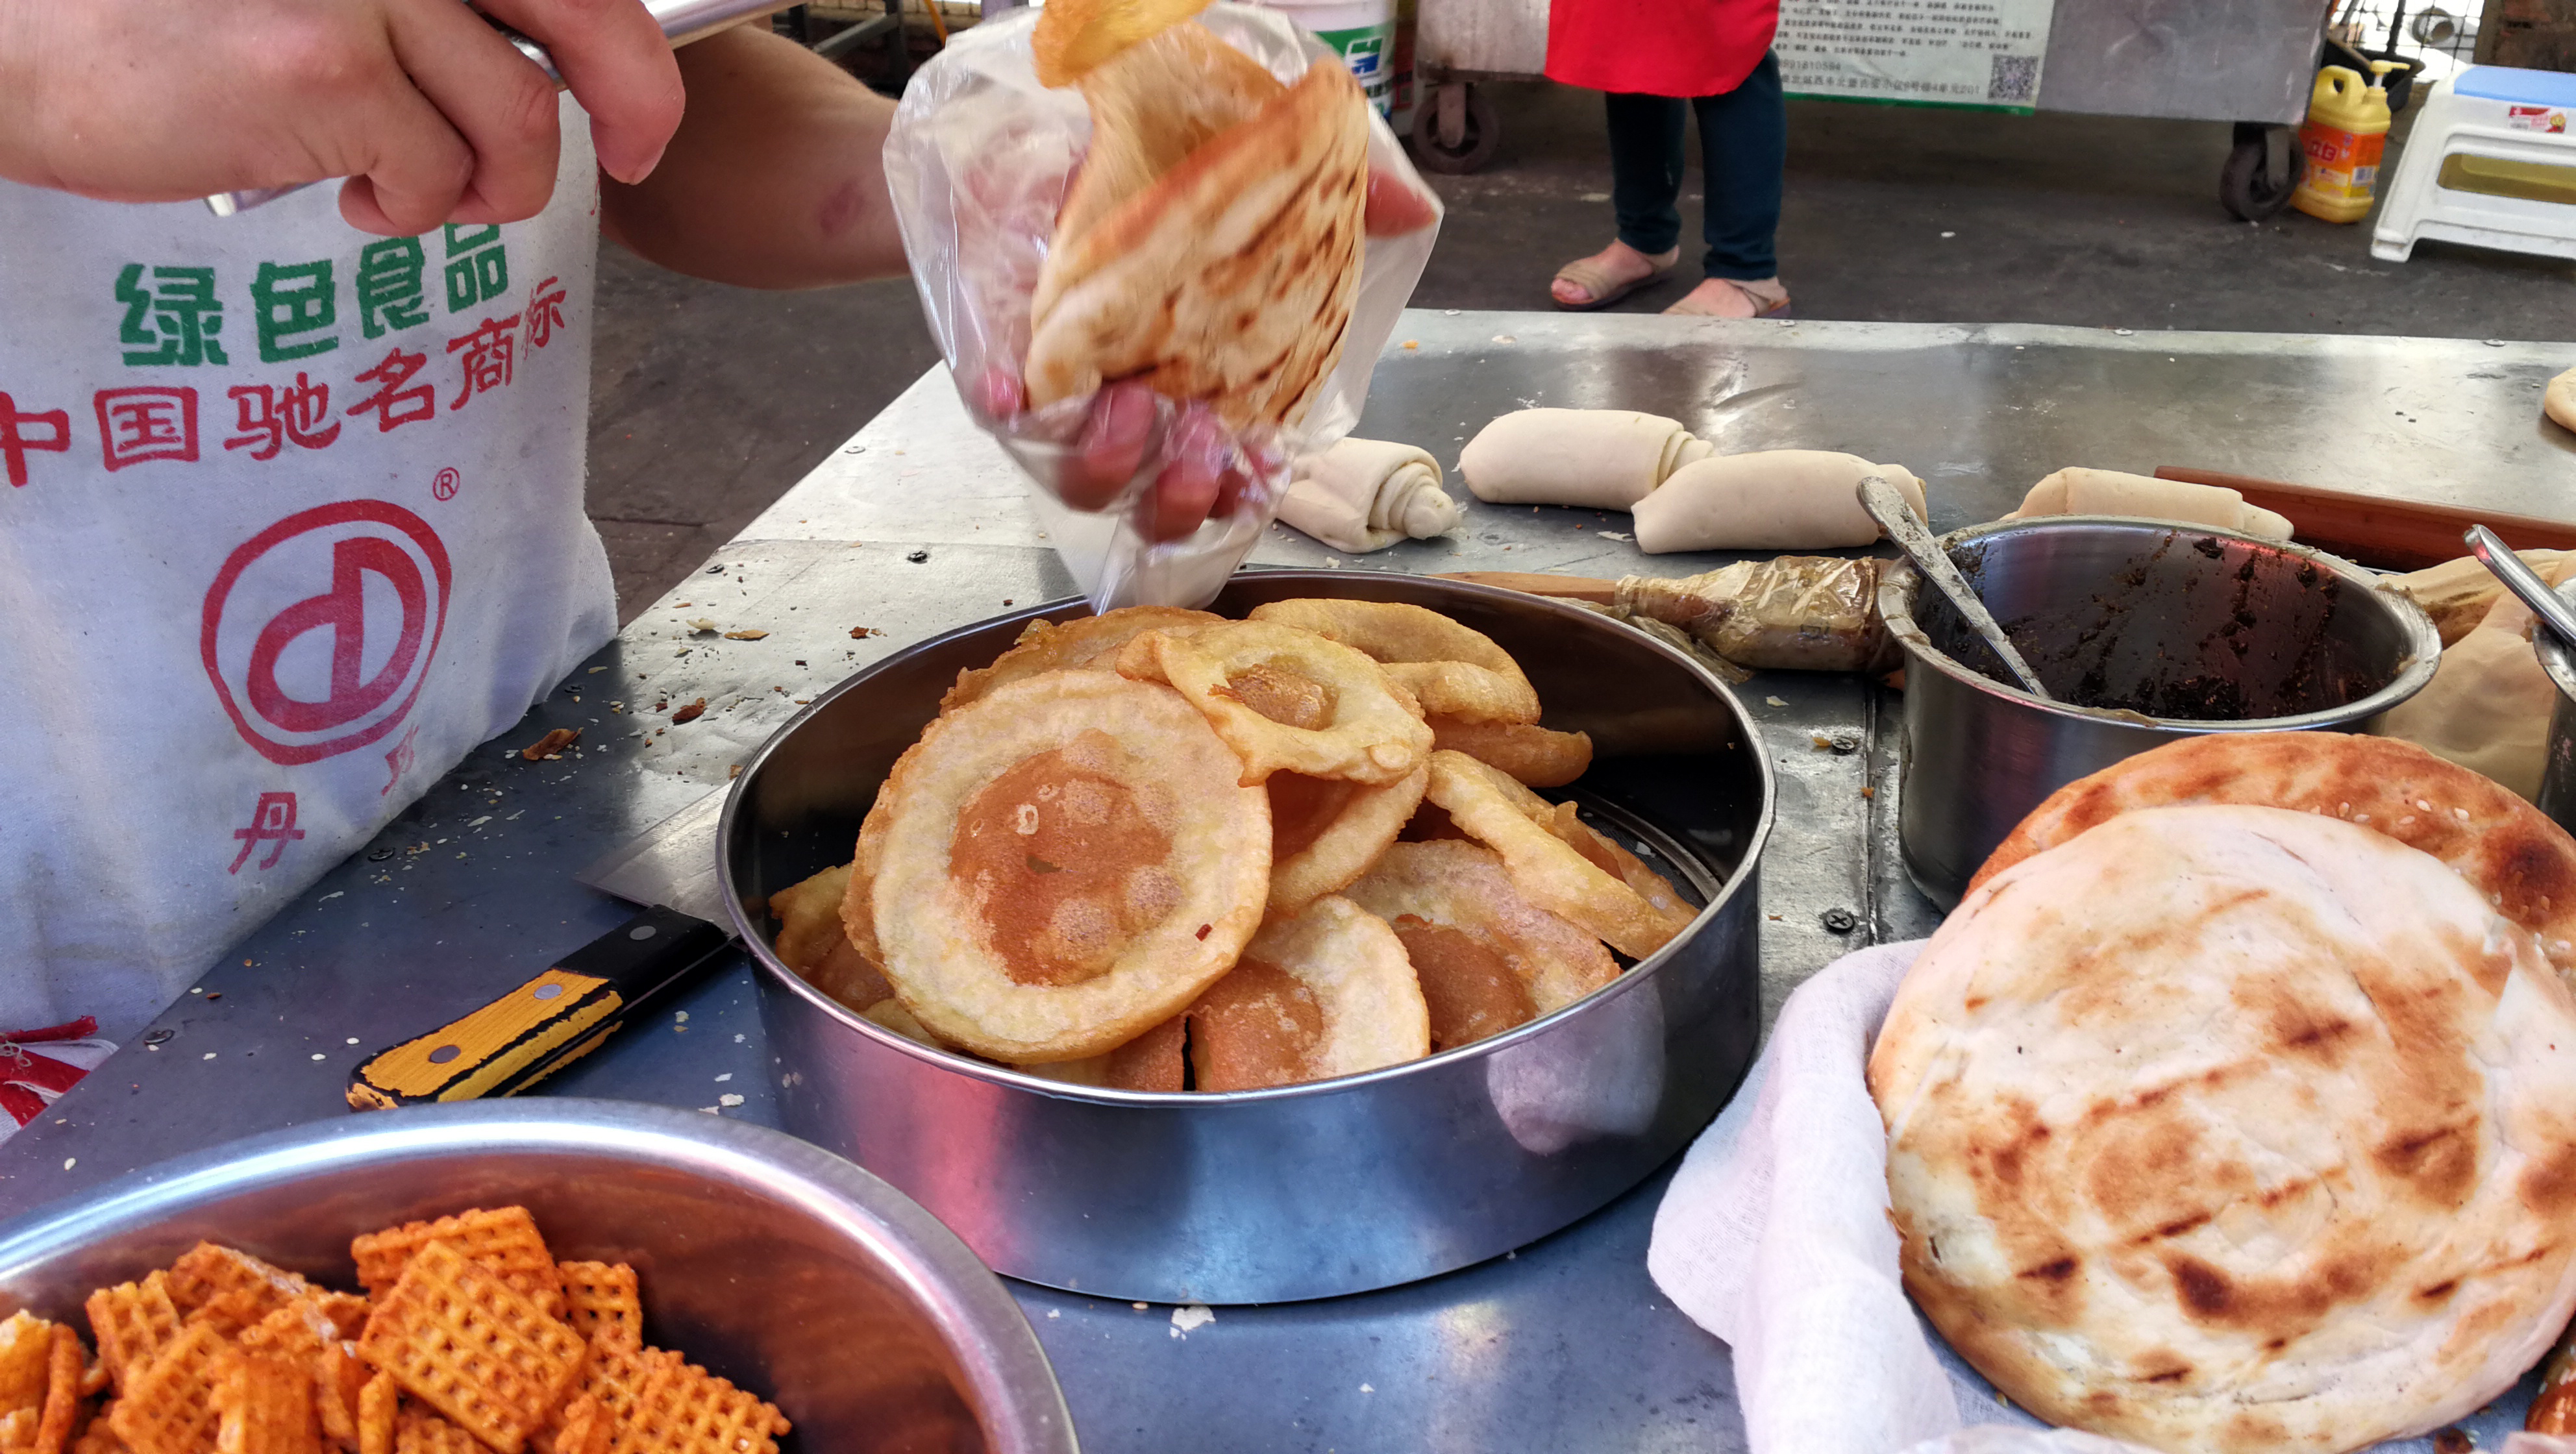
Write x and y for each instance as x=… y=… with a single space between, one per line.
x=1774 y=1236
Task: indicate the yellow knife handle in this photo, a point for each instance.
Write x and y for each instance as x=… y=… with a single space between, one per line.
x=524 y=1036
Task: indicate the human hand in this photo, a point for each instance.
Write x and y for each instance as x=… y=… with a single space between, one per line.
x=1207 y=472
x=421 y=104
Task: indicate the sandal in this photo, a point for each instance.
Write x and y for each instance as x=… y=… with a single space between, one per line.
x=1584 y=273
x=1769 y=299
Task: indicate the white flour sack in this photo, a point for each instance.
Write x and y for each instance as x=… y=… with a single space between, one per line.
x=290 y=519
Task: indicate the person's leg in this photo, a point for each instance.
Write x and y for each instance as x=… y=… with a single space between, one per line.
x=1744 y=145
x=1646 y=169
x=1645 y=182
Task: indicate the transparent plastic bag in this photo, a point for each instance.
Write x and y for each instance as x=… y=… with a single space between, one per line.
x=978 y=161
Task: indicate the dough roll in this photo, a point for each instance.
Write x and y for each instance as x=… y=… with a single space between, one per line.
x=1776 y=499
x=2110 y=492
x=2560 y=402
x=1367 y=494
x=1600 y=459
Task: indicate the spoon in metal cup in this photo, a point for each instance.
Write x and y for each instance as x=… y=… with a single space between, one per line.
x=2523 y=581
x=1888 y=507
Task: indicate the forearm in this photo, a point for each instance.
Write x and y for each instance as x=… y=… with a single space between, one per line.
x=776 y=178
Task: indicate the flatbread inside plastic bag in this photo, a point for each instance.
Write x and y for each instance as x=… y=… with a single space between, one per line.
x=1228 y=280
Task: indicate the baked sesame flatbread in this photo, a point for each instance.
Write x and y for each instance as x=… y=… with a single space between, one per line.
x=2509 y=851
x=1229 y=280
x=2235 y=1129
x=1151 y=105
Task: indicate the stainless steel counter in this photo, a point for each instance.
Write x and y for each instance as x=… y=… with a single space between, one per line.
x=918 y=524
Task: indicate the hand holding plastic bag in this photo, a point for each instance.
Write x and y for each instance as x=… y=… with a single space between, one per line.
x=1148 y=498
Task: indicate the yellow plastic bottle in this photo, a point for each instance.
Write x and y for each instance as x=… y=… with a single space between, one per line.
x=2346 y=130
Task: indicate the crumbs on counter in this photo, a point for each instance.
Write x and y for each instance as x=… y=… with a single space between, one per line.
x=551 y=746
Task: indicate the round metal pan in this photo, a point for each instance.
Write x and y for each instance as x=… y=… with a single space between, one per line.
x=2111 y=607
x=1314 y=1190
x=787 y=1270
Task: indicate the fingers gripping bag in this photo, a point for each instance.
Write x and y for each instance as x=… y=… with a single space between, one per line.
x=1141 y=224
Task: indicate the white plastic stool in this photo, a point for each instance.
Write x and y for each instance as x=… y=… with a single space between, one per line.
x=2491 y=162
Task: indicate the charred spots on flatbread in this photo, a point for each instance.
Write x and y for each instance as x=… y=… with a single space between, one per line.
x=2439 y=1162
x=2548 y=1184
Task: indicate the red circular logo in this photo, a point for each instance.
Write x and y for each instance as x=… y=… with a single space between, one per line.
x=319 y=630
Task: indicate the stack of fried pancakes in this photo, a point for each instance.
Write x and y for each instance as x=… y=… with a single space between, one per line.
x=1162 y=850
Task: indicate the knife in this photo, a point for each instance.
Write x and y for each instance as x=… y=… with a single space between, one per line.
x=563 y=1014
x=682 y=21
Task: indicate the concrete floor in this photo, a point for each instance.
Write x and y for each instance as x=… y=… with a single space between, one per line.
x=708 y=402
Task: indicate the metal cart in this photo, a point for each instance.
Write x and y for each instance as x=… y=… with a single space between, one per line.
x=2245 y=61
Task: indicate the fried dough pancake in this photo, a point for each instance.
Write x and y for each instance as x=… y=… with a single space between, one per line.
x=809 y=917
x=1453 y=670
x=2508 y=850
x=2228 y=1128
x=1066 y=862
x=1489 y=807
x=1157 y=1060
x=1529 y=753
x=1324 y=992
x=1487 y=958
x=1325 y=832
x=1083 y=641
x=1369 y=730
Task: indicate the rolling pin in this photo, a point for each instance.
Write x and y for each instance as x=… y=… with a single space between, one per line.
x=2374 y=530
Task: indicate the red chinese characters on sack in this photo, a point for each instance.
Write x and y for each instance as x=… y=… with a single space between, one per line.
x=275 y=415
x=272 y=821
x=487 y=357
x=544 y=312
x=392 y=403
x=16 y=440
x=144 y=423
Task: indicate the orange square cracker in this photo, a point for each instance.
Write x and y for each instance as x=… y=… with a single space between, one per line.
x=339 y=1381
x=377 y=1403
x=683 y=1409
x=602 y=1304
x=26 y=1353
x=461 y=1340
x=167 y=1404
x=133 y=1322
x=230 y=1287
x=424 y=1433
x=263 y=1406
x=503 y=1240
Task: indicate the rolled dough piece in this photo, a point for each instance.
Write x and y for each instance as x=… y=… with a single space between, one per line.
x=1775 y=499
x=2487 y=706
x=2560 y=402
x=2110 y=492
x=1601 y=459
x=1367 y=494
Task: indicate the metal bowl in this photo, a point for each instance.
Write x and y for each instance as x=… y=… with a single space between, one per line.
x=1314 y=1190
x=2166 y=620
x=771 y=1263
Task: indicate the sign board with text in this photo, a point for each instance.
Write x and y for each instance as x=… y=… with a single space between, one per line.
x=1983 y=53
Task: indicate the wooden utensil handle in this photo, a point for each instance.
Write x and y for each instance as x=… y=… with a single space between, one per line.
x=1571 y=588
x=2374 y=529
x=547 y=1023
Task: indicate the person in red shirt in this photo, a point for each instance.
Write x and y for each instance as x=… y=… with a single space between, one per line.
x=1657 y=59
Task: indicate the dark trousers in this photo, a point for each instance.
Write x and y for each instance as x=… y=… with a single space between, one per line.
x=1744 y=143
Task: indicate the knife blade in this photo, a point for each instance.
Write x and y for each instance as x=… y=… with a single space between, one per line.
x=509 y=1044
